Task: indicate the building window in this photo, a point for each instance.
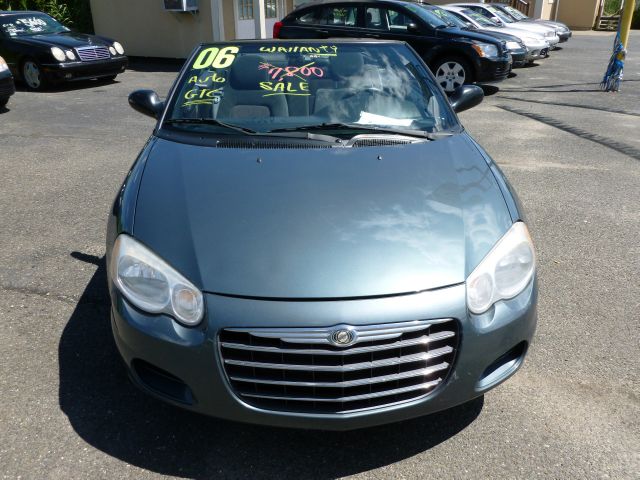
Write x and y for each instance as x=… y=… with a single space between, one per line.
x=245 y=9
x=271 y=9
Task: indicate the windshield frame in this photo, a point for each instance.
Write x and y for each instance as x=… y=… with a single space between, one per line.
x=164 y=126
x=12 y=17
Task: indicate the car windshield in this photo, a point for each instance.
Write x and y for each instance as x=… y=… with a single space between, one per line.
x=502 y=16
x=260 y=87
x=517 y=14
x=449 y=18
x=479 y=18
x=30 y=24
x=427 y=14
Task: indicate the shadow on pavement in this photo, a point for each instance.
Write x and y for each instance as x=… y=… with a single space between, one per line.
x=489 y=90
x=114 y=417
x=166 y=65
x=67 y=86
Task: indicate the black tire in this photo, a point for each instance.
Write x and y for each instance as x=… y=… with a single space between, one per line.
x=110 y=78
x=32 y=75
x=451 y=72
x=3 y=102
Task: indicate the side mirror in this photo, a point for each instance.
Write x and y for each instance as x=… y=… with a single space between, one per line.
x=412 y=28
x=146 y=102
x=466 y=97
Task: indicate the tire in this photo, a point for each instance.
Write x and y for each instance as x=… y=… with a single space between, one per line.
x=452 y=72
x=32 y=75
x=3 y=102
x=108 y=79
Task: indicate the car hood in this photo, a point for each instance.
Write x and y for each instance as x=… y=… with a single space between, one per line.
x=63 y=40
x=457 y=33
x=530 y=27
x=518 y=32
x=321 y=223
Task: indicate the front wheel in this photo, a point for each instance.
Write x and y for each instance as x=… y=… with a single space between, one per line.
x=452 y=72
x=32 y=75
x=3 y=102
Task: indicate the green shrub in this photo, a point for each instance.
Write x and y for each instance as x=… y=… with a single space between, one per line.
x=611 y=7
x=75 y=14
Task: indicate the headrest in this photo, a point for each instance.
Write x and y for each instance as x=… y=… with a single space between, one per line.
x=347 y=64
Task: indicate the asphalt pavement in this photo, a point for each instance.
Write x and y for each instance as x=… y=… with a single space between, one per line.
x=572 y=152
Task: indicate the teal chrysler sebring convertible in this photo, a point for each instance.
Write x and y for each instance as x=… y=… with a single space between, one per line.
x=311 y=239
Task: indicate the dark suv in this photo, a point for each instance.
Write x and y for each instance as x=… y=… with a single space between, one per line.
x=455 y=56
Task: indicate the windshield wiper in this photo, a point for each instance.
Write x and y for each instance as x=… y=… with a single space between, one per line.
x=368 y=128
x=290 y=133
x=209 y=121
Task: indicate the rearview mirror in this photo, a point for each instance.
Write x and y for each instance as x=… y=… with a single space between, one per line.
x=466 y=97
x=146 y=102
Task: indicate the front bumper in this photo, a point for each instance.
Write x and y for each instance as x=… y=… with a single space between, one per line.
x=191 y=355
x=537 y=52
x=7 y=86
x=490 y=70
x=565 y=36
x=518 y=57
x=77 y=70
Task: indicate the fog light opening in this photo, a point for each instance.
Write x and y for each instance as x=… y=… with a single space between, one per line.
x=163 y=383
x=501 y=369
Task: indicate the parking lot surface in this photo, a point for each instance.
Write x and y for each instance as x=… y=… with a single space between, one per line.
x=572 y=152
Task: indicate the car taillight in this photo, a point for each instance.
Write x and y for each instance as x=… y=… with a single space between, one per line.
x=276 y=29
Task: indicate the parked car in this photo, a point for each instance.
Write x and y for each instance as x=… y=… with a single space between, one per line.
x=41 y=51
x=537 y=47
x=516 y=48
x=311 y=239
x=562 y=30
x=501 y=18
x=7 y=88
x=454 y=56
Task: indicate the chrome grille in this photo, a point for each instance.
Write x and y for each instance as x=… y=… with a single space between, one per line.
x=90 y=54
x=300 y=370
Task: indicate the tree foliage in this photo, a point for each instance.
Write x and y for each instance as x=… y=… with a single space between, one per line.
x=75 y=14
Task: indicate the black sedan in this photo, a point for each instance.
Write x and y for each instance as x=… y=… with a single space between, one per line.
x=41 y=51
x=7 y=88
x=455 y=56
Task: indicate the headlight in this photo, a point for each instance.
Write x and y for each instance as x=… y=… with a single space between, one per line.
x=119 y=48
x=58 y=54
x=485 y=49
x=513 y=45
x=549 y=34
x=3 y=65
x=504 y=272
x=112 y=50
x=70 y=55
x=150 y=284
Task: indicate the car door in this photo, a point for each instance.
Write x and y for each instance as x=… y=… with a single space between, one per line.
x=396 y=23
x=9 y=52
